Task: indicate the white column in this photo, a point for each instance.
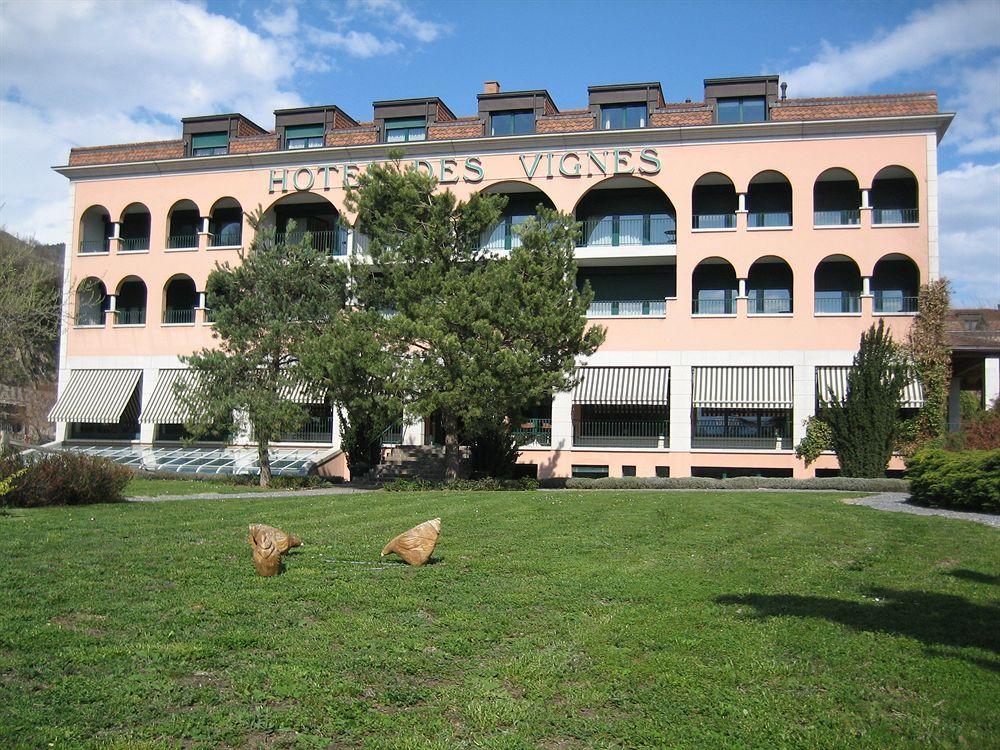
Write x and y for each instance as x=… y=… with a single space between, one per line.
x=742 y=283
x=680 y=407
x=955 y=405
x=742 y=207
x=933 y=260
x=864 y=198
x=202 y=298
x=147 y=429
x=116 y=230
x=991 y=381
x=413 y=431
x=804 y=399
x=206 y=225
x=562 y=421
x=866 y=286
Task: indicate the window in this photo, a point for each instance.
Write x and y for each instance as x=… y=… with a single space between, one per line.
x=519 y=122
x=400 y=129
x=628 y=471
x=304 y=136
x=663 y=471
x=210 y=144
x=589 y=472
x=623 y=116
x=741 y=109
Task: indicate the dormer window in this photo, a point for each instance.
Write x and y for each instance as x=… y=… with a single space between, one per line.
x=512 y=122
x=303 y=136
x=403 y=129
x=210 y=144
x=623 y=116
x=737 y=109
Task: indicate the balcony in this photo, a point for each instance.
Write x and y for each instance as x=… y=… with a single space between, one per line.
x=178 y=315
x=894 y=303
x=130 y=316
x=135 y=244
x=182 y=242
x=714 y=221
x=621 y=434
x=629 y=230
x=720 y=306
x=503 y=237
x=228 y=238
x=742 y=428
x=536 y=431
x=838 y=303
x=316 y=430
x=769 y=305
x=627 y=308
x=89 y=317
x=895 y=216
x=737 y=441
x=768 y=219
x=847 y=217
x=329 y=241
x=95 y=246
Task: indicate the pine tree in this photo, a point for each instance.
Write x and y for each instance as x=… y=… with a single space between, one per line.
x=864 y=427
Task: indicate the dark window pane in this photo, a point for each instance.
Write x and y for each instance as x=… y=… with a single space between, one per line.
x=635 y=116
x=728 y=111
x=524 y=123
x=753 y=109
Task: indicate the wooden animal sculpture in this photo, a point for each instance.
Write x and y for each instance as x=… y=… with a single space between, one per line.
x=269 y=544
x=416 y=545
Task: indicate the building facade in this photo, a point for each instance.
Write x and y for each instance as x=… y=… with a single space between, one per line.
x=737 y=248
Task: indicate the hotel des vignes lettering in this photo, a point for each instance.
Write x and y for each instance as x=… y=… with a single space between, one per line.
x=737 y=247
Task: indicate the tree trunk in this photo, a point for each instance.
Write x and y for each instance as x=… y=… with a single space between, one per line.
x=452 y=457
x=264 y=459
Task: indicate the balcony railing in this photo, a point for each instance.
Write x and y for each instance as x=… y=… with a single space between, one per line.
x=627 y=308
x=503 y=236
x=535 y=431
x=229 y=238
x=90 y=317
x=736 y=440
x=895 y=216
x=637 y=229
x=838 y=303
x=845 y=218
x=894 y=303
x=330 y=241
x=134 y=244
x=714 y=221
x=759 y=219
x=95 y=246
x=621 y=434
x=392 y=435
x=130 y=316
x=769 y=305
x=316 y=430
x=182 y=241
x=725 y=306
x=361 y=242
x=178 y=315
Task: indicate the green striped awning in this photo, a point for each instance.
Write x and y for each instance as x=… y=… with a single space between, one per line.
x=622 y=385
x=303 y=393
x=97 y=396
x=164 y=407
x=741 y=387
x=834 y=378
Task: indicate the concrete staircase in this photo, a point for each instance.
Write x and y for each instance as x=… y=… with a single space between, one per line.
x=424 y=461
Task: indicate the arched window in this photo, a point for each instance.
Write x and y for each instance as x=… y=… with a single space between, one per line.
x=91 y=302
x=226 y=224
x=626 y=211
x=135 y=228
x=95 y=230
x=895 y=284
x=894 y=197
x=836 y=199
x=130 y=302
x=769 y=287
x=769 y=200
x=714 y=288
x=183 y=225
x=837 y=284
x=180 y=298
x=522 y=203
x=714 y=202
x=294 y=215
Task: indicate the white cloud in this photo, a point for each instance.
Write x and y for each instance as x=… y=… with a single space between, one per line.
x=361 y=44
x=400 y=18
x=285 y=23
x=926 y=37
x=969 y=206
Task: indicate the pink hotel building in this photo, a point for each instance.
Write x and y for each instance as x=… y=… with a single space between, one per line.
x=737 y=248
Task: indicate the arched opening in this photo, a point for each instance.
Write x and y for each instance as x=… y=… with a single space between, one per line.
x=91 y=302
x=180 y=298
x=837 y=283
x=894 y=197
x=769 y=287
x=714 y=288
x=714 y=202
x=522 y=203
x=895 y=284
x=135 y=228
x=769 y=200
x=95 y=230
x=836 y=199
x=624 y=211
x=294 y=215
x=226 y=223
x=130 y=302
x=183 y=225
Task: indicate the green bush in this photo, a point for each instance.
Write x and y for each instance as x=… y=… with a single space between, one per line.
x=63 y=478
x=487 y=484
x=739 y=483
x=967 y=480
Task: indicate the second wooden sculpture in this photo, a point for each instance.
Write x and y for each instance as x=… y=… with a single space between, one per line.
x=269 y=544
x=416 y=545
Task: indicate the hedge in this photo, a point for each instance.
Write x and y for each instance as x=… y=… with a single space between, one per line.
x=63 y=478
x=850 y=484
x=487 y=484
x=966 y=480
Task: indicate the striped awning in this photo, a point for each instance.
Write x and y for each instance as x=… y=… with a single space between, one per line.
x=834 y=378
x=622 y=385
x=303 y=393
x=99 y=396
x=744 y=387
x=164 y=407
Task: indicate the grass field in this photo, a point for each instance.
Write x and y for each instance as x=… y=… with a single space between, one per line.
x=548 y=620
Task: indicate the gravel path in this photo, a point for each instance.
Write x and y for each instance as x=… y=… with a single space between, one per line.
x=334 y=490
x=898 y=502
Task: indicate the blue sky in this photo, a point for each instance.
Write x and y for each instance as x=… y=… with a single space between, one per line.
x=93 y=72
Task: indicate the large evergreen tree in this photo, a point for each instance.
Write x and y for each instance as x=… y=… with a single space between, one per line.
x=265 y=307
x=477 y=338
x=864 y=426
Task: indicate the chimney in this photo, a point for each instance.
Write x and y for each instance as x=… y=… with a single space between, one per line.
x=491 y=87
x=784 y=90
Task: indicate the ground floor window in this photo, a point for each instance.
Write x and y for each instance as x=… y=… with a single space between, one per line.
x=621 y=426
x=125 y=430
x=535 y=427
x=169 y=432
x=725 y=472
x=587 y=471
x=742 y=428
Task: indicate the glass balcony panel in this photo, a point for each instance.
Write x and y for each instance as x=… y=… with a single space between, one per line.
x=895 y=216
x=628 y=308
x=135 y=244
x=631 y=230
x=770 y=219
x=95 y=246
x=838 y=303
x=87 y=317
x=844 y=218
x=331 y=241
x=714 y=305
x=714 y=221
x=227 y=237
x=769 y=305
x=895 y=302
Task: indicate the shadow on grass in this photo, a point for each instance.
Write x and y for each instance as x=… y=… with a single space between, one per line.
x=975 y=576
x=936 y=620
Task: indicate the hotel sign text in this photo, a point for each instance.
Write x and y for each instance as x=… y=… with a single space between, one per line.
x=448 y=171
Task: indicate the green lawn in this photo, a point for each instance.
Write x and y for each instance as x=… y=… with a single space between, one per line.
x=142 y=487
x=549 y=620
